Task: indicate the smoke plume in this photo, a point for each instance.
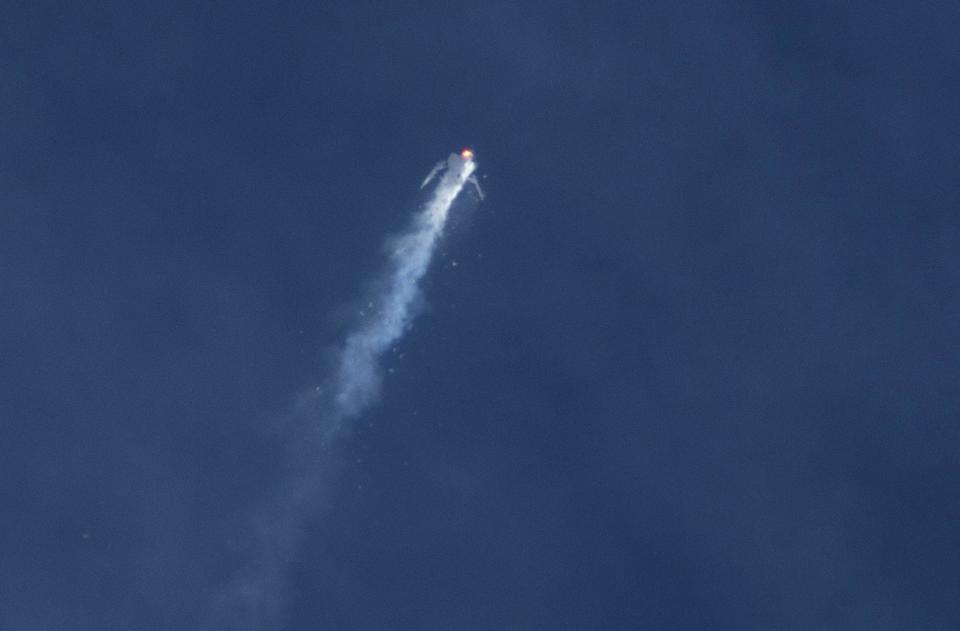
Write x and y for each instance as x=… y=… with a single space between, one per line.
x=254 y=600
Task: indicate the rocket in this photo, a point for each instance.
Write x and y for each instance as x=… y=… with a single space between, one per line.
x=458 y=168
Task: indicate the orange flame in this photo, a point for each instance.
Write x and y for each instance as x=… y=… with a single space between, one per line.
x=466 y=154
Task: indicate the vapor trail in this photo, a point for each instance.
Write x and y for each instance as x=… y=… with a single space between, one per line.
x=254 y=599
x=357 y=375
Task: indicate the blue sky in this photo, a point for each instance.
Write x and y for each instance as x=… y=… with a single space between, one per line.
x=691 y=364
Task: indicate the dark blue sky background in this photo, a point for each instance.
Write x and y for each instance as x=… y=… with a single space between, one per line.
x=696 y=365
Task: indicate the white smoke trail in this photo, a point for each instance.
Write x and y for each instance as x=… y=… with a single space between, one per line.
x=411 y=253
x=254 y=599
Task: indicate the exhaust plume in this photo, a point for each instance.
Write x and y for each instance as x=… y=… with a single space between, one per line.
x=254 y=600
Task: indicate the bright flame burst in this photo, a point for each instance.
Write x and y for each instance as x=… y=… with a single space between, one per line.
x=466 y=154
